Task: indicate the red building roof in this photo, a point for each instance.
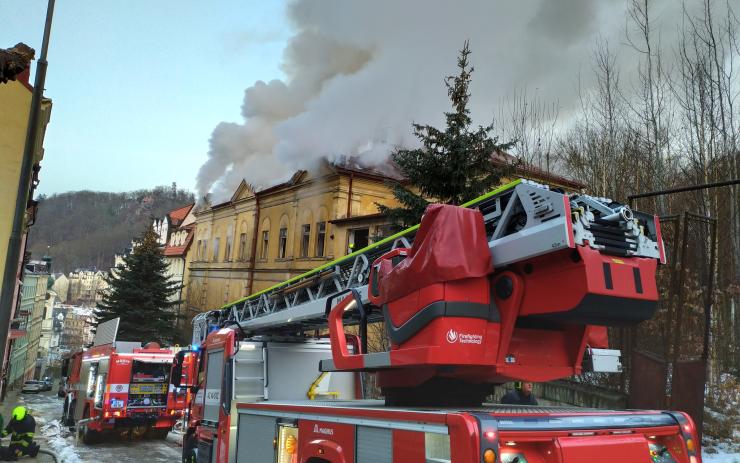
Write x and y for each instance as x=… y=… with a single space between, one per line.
x=182 y=249
x=178 y=215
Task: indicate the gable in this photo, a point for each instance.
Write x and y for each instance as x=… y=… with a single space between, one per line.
x=243 y=191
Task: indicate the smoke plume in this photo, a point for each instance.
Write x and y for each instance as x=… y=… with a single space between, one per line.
x=358 y=73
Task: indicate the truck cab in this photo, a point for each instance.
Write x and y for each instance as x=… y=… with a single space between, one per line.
x=233 y=370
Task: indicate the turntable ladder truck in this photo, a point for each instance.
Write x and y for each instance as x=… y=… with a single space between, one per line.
x=519 y=284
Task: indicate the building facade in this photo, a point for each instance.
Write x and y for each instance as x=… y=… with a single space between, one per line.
x=61 y=287
x=86 y=287
x=15 y=105
x=77 y=325
x=28 y=321
x=258 y=239
x=48 y=354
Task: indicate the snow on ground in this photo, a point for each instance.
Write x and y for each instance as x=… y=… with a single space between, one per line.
x=47 y=408
x=63 y=446
x=724 y=455
x=721 y=451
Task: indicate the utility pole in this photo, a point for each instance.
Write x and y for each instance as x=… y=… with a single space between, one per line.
x=10 y=273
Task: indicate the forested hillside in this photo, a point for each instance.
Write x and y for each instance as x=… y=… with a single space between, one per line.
x=86 y=228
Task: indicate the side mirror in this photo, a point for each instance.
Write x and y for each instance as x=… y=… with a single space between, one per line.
x=65 y=368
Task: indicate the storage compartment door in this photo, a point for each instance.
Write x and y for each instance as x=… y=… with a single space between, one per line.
x=256 y=437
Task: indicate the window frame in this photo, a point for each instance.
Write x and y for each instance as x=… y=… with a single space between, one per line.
x=282 y=243
x=320 y=246
x=305 y=240
x=265 y=252
x=242 y=247
x=216 y=246
x=228 y=248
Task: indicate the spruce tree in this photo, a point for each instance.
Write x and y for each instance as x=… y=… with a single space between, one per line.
x=140 y=294
x=453 y=165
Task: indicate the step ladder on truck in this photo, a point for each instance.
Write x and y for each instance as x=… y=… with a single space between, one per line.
x=121 y=387
x=519 y=284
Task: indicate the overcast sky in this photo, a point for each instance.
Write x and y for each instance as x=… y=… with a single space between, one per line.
x=138 y=86
x=207 y=93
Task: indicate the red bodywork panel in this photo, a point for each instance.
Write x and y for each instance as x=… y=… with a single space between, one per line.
x=331 y=433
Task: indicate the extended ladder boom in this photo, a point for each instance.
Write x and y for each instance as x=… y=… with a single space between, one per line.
x=523 y=219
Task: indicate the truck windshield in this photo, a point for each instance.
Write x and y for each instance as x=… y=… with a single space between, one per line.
x=144 y=372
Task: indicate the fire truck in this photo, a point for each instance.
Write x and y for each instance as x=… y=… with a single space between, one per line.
x=122 y=388
x=519 y=284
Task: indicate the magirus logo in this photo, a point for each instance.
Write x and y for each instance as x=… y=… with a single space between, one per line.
x=325 y=431
x=452 y=336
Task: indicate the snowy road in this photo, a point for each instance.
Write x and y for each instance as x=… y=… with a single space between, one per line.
x=47 y=408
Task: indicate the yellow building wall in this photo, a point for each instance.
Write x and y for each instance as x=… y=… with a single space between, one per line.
x=317 y=197
x=15 y=104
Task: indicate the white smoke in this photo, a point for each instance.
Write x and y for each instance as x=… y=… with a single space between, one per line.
x=358 y=73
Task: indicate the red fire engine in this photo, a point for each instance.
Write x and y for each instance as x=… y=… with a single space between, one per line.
x=519 y=286
x=121 y=387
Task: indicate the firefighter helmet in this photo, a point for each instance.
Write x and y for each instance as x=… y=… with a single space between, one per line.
x=19 y=413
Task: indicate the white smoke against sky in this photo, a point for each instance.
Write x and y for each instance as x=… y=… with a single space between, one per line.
x=358 y=73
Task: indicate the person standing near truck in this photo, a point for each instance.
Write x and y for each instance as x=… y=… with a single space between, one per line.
x=521 y=395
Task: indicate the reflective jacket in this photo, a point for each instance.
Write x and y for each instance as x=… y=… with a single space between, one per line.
x=21 y=431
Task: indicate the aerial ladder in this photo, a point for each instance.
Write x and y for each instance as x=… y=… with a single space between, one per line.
x=518 y=284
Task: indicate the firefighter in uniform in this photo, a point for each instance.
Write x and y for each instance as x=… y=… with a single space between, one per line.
x=521 y=395
x=21 y=428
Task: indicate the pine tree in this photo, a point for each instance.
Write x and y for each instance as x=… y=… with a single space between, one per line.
x=140 y=293
x=452 y=166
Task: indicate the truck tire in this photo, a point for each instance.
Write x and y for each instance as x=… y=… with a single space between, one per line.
x=89 y=436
